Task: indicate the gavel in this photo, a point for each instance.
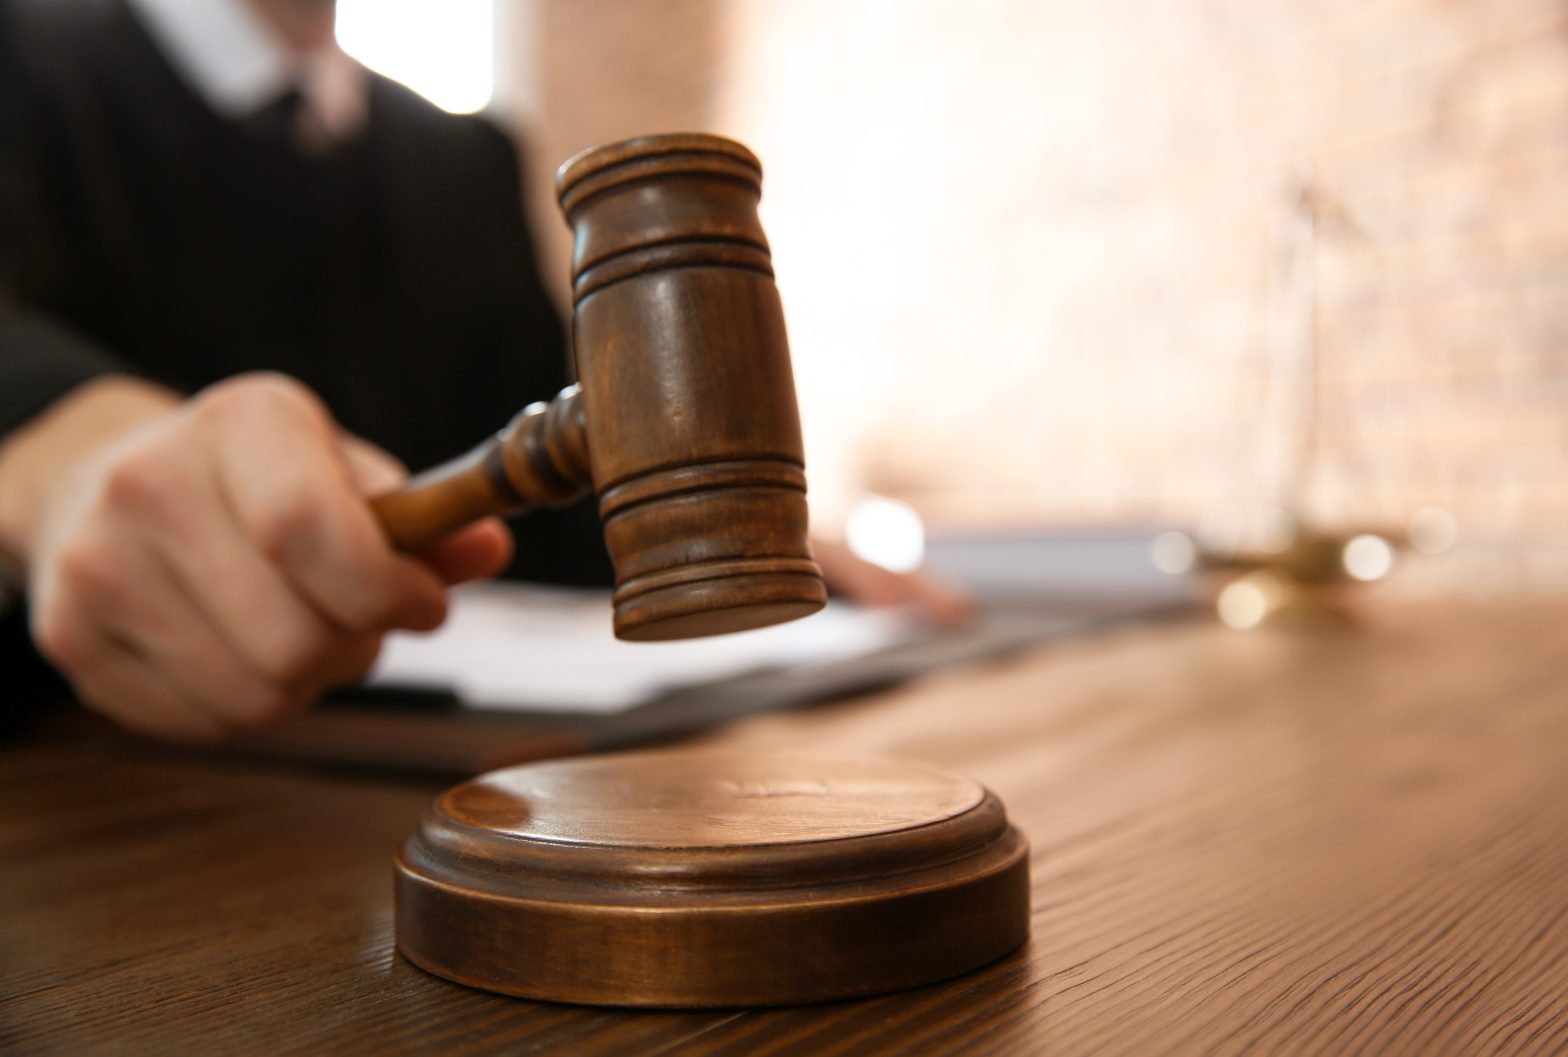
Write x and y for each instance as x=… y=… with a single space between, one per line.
x=690 y=878
x=683 y=420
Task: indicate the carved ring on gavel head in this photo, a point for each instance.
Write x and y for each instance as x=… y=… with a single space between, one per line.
x=684 y=420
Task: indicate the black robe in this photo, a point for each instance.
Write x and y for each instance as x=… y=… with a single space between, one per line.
x=141 y=232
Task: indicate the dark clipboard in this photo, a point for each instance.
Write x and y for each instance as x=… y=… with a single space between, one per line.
x=429 y=730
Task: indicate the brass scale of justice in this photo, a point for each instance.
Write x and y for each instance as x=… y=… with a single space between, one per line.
x=687 y=878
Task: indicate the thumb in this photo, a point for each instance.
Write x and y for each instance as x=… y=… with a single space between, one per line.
x=471 y=553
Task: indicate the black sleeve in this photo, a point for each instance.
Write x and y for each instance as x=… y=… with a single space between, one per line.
x=40 y=360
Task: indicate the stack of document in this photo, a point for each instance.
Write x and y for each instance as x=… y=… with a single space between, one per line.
x=539 y=649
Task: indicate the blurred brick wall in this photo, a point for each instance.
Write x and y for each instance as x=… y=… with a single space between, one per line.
x=1043 y=262
x=609 y=70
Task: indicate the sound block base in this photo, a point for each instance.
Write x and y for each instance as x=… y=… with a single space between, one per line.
x=700 y=878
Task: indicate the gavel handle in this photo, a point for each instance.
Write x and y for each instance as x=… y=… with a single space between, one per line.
x=539 y=459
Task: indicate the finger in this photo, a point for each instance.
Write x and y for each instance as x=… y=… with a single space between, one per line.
x=474 y=552
x=162 y=567
x=128 y=689
x=195 y=577
x=940 y=601
x=482 y=549
x=346 y=662
x=869 y=584
x=155 y=616
x=105 y=673
x=299 y=505
x=855 y=578
x=283 y=639
x=105 y=593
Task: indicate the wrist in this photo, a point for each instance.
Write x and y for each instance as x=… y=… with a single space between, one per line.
x=39 y=461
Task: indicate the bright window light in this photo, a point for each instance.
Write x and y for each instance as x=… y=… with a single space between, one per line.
x=1247 y=602
x=1368 y=557
x=442 y=51
x=886 y=532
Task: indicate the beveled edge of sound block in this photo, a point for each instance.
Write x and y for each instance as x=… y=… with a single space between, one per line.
x=703 y=878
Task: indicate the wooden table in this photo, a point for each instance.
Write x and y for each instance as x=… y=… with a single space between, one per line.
x=1255 y=843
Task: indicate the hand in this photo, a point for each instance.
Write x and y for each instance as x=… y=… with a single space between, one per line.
x=861 y=581
x=215 y=566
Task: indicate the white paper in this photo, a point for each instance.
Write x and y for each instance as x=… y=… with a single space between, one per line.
x=514 y=646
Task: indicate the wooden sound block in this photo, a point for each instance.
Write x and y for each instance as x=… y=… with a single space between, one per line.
x=711 y=878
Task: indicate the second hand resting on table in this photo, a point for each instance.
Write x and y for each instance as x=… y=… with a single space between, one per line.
x=203 y=566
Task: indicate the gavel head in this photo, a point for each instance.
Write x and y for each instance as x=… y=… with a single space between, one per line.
x=693 y=437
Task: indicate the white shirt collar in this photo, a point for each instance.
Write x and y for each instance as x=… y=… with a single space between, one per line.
x=237 y=64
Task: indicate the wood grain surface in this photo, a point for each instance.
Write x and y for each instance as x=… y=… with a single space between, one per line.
x=1241 y=844
x=681 y=798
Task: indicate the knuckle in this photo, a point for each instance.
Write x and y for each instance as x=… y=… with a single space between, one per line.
x=289 y=527
x=59 y=638
x=366 y=604
x=289 y=660
x=142 y=480
x=90 y=571
x=264 y=394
